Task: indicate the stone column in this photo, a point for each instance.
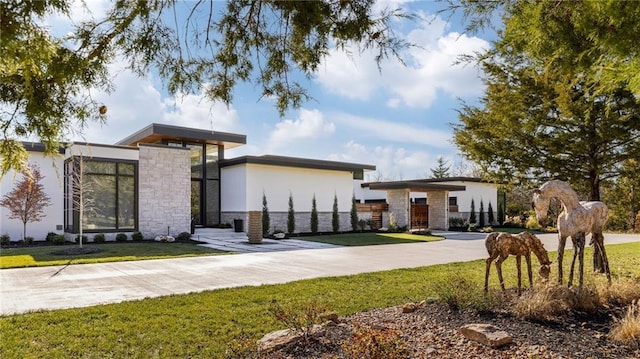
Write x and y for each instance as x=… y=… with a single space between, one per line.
x=438 y=209
x=399 y=205
x=254 y=231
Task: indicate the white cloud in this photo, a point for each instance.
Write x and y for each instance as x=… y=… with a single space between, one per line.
x=395 y=131
x=429 y=69
x=197 y=111
x=310 y=124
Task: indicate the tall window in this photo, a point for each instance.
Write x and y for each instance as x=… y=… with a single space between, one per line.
x=110 y=192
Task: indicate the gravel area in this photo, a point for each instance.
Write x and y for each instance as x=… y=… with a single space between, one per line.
x=431 y=331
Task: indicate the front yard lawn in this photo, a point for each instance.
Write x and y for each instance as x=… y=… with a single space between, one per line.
x=369 y=238
x=38 y=256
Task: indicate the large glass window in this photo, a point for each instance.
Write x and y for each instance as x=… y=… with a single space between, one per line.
x=108 y=191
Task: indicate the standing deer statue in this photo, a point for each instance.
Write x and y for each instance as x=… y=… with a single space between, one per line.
x=575 y=221
x=501 y=245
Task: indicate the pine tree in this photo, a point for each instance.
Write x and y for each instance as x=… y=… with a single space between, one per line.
x=442 y=170
x=27 y=200
x=314 y=215
x=291 y=216
x=335 y=218
x=472 y=216
x=354 y=214
x=490 y=213
x=481 y=220
x=266 y=220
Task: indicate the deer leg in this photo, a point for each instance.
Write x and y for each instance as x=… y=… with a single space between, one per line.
x=581 y=240
x=598 y=240
x=527 y=257
x=561 y=243
x=519 y=264
x=499 y=270
x=574 y=240
x=486 y=274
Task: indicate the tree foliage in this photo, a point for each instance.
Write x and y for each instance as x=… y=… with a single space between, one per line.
x=623 y=198
x=490 y=216
x=354 y=213
x=314 y=215
x=335 y=216
x=441 y=170
x=28 y=199
x=472 y=214
x=266 y=220
x=539 y=120
x=291 y=216
x=481 y=214
x=46 y=78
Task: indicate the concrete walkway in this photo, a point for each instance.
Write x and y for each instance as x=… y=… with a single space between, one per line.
x=29 y=289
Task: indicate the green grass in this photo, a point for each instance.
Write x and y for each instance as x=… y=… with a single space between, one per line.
x=202 y=325
x=111 y=252
x=369 y=238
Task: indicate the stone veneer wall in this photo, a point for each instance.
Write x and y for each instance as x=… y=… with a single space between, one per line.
x=400 y=205
x=438 y=209
x=164 y=190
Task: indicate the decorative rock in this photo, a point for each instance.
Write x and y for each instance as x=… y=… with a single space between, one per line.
x=409 y=308
x=486 y=334
x=279 y=235
x=164 y=238
x=278 y=339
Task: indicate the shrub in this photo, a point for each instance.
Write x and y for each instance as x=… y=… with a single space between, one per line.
x=137 y=236
x=626 y=329
x=372 y=343
x=121 y=237
x=5 y=240
x=28 y=241
x=50 y=236
x=314 y=215
x=299 y=318
x=99 y=238
x=532 y=223
x=335 y=216
x=84 y=239
x=58 y=239
x=266 y=221
x=488 y=229
x=362 y=224
x=354 y=214
x=459 y=292
x=183 y=236
x=456 y=223
x=291 y=216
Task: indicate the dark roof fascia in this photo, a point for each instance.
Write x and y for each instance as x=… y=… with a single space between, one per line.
x=39 y=147
x=414 y=186
x=194 y=134
x=296 y=162
x=452 y=179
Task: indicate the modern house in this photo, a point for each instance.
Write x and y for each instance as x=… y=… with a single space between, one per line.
x=161 y=178
x=426 y=203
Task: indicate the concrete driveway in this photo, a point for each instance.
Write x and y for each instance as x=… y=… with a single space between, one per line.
x=29 y=289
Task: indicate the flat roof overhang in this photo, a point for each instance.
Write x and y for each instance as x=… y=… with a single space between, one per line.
x=157 y=133
x=414 y=186
x=271 y=160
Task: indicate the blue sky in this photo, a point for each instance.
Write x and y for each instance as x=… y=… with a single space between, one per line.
x=398 y=120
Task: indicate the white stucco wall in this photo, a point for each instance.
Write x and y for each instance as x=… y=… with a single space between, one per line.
x=233 y=189
x=51 y=168
x=102 y=151
x=479 y=191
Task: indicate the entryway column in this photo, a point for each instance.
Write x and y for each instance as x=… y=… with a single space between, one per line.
x=399 y=205
x=438 y=209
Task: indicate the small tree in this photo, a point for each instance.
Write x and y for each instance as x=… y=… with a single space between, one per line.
x=481 y=219
x=27 y=200
x=314 y=215
x=266 y=221
x=472 y=216
x=501 y=204
x=442 y=170
x=335 y=217
x=291 y=216
x=490 y=213
x=354 y=214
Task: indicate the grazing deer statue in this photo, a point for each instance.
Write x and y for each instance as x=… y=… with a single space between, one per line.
x=501 y=245
x=575 y=221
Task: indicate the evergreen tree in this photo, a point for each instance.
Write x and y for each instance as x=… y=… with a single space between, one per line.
x=354 y=214
x=314 y=215
x=490 y=213
x=335 y=217
x=442 y=170
x=472 y=215
x=481 y=214
x=501 y=215
x=266 y=220
x=291 y=216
